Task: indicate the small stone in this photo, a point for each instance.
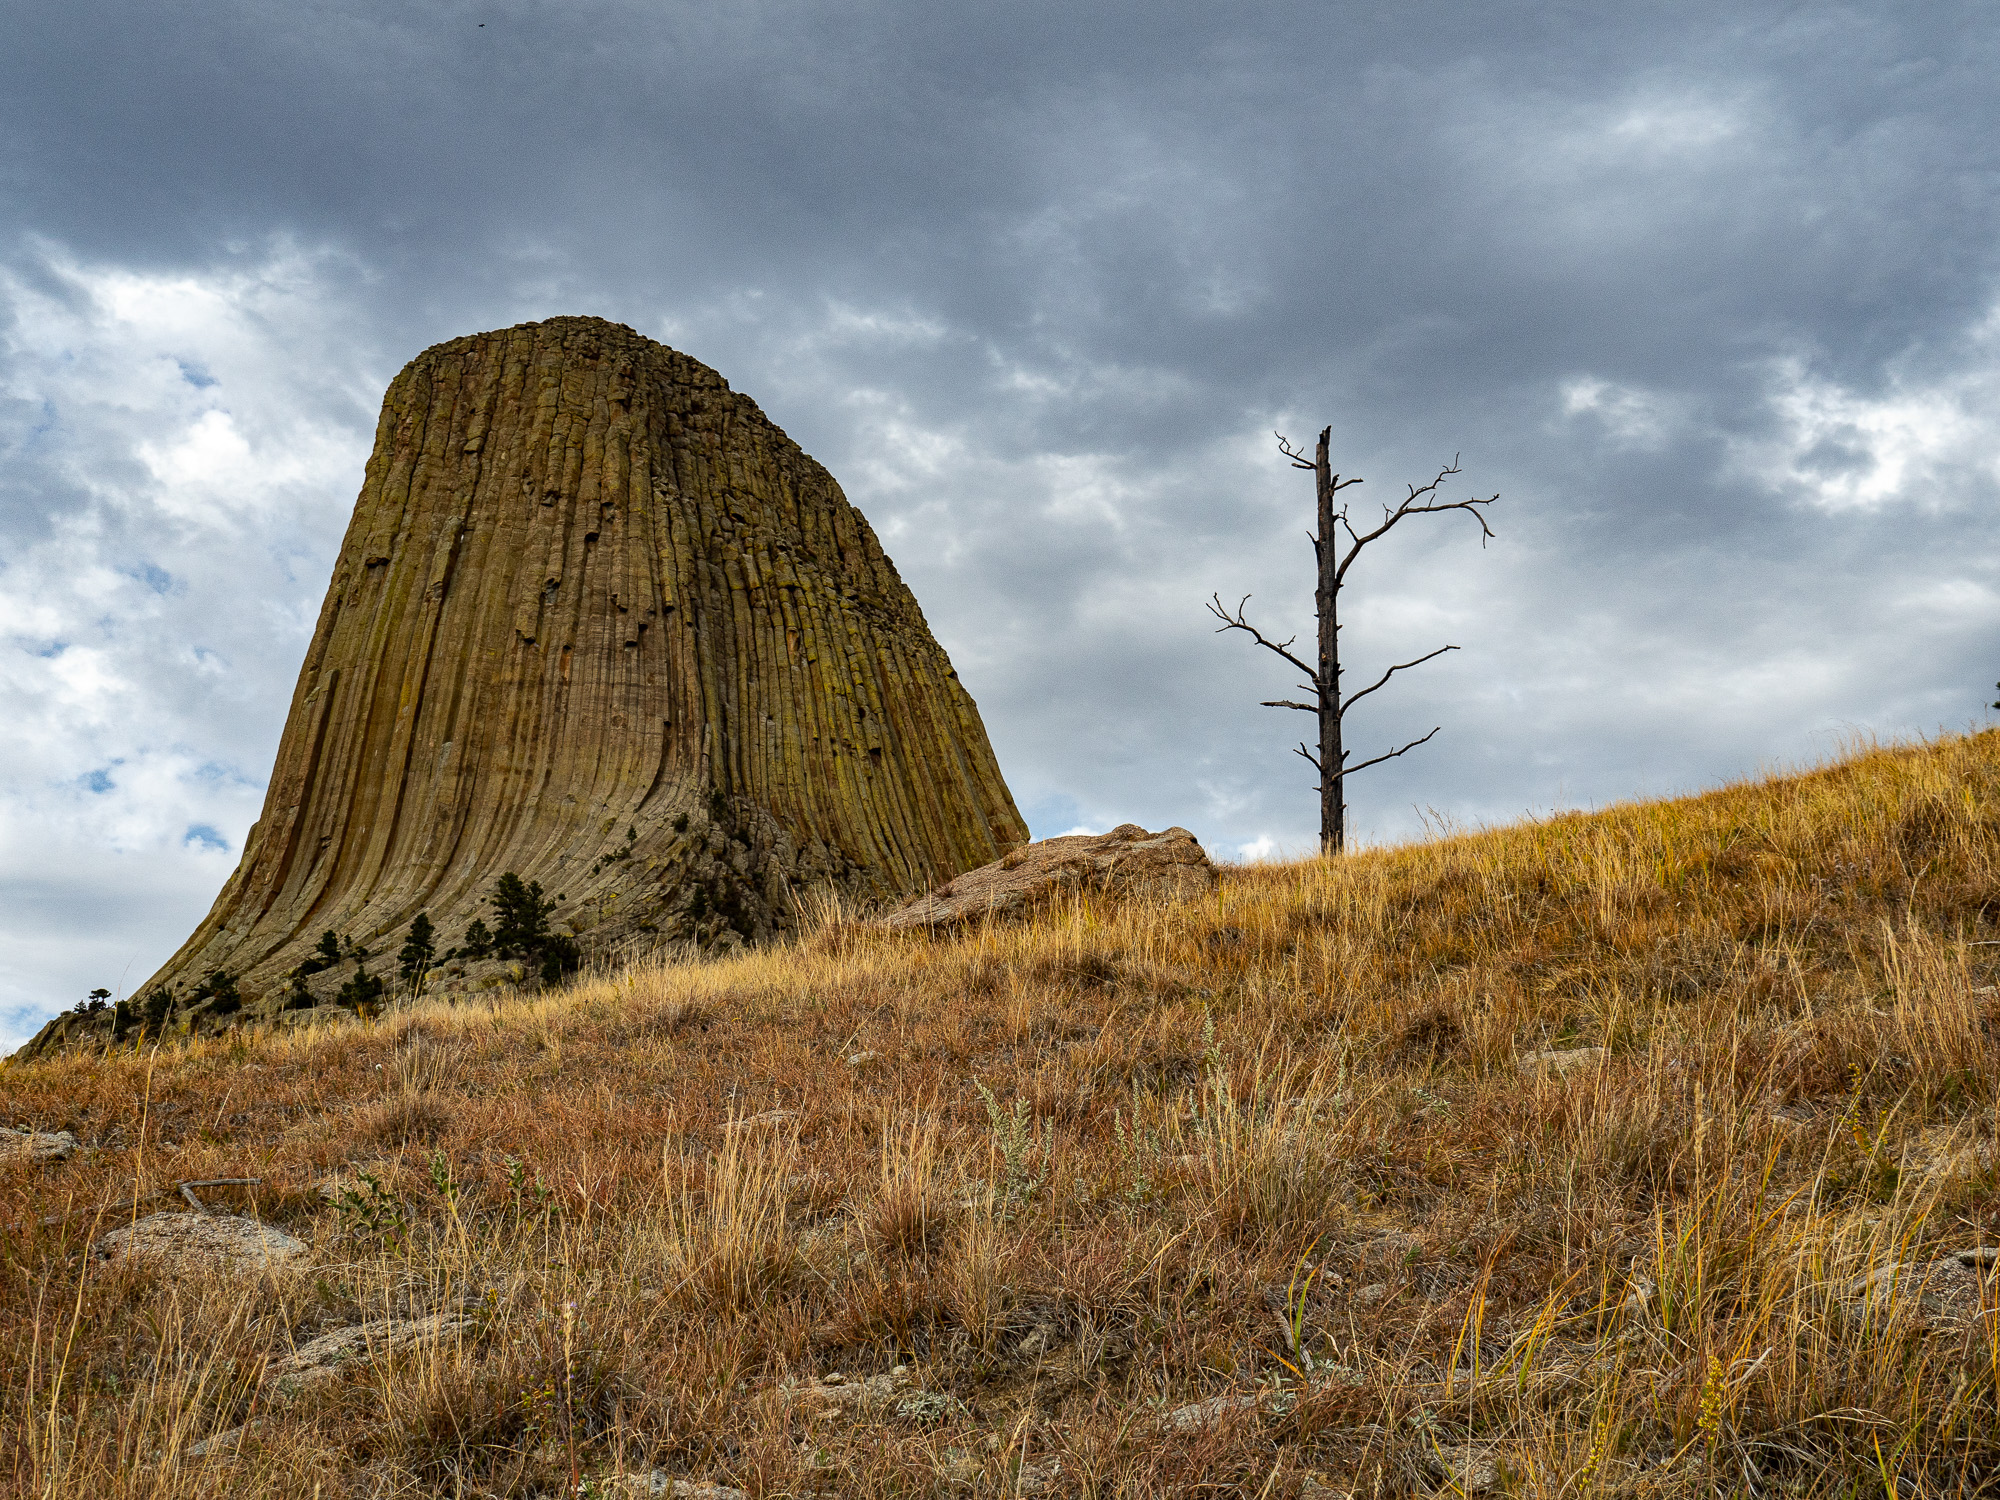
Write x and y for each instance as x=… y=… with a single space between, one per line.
x=1038 y=1478
x=1943 y=1291
x=769 y=1117
x=1389 y=1252
x=182 y=1243
x=657 y=1485
x=1470 y=1469
x=35 y=1145
x=862 y=1061
x=1563 y=1061
x=1368 y=1296
x=837 y=1393
x=1205 y=1416
x=323 y=1358
x=222 y=1443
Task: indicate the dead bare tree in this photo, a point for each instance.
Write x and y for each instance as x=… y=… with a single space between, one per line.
x=1323 y=682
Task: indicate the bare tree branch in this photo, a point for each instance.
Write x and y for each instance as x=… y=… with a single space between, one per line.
x=1311 y=757
x=1350 y=770
x=1237 y=622
x=1401 y=666
x=1410 y=507
x=1296 y=455
x=1304 y=708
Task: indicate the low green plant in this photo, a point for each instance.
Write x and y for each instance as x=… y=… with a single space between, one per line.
x=370 y=1211
x=441 y=1180
x=1025 y=1155
x=525 y=1194
x=1142 y=1151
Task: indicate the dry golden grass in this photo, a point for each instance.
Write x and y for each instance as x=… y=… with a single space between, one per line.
x=1275 y=1145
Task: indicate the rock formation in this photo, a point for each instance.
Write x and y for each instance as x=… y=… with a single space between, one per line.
x=597 y=621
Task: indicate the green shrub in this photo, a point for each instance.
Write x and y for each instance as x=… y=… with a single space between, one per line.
x=362 y=992
x=325 y=956
x=418 y=949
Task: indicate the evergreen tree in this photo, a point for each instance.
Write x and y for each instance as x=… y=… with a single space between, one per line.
x=325 y=956
x=521 y=916
x=418 y=949
x=362 y=991
x=521 y=929
x=478 y=942
x=155 y=1009
x=219 y=990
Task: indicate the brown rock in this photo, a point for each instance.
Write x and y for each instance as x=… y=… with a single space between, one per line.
x=1945 y=1291
x=35 y=1145
x=1128 y=861
x=657 y=1484
x=1561 y=1061
x=836 y=1393
x=323 y=1358
x=599 y=622
x=203 y=1244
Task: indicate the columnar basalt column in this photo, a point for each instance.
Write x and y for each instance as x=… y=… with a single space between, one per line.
x=599 y=622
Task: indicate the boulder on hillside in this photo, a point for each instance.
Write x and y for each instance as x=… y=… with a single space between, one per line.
x=194 y=1244
x=323 y=1358
x=1127 y=861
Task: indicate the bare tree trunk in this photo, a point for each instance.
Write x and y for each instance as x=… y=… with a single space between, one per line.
x=1326 y=598
x=1330 y=704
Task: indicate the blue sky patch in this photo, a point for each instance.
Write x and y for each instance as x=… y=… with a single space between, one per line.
x=201 y=836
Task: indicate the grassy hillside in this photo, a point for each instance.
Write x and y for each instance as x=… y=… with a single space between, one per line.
x=1288 y=1146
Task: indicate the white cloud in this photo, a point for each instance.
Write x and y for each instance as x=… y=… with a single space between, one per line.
x=1631 y=418
x=178 y=455
x=1683 y=123
x=1914 y=443
x=1258 y=850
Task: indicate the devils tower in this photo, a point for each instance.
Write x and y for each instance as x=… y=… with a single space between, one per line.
x=598 y=622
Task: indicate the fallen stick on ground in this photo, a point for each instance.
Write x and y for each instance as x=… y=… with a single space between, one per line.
x=186 y=1191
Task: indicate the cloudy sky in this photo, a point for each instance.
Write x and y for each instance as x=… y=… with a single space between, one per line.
x=1707 y=294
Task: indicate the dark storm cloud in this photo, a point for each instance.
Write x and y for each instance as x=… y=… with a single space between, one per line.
x=1706 y=292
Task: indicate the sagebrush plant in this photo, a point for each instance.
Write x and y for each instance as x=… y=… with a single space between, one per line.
x=1288 y=1144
